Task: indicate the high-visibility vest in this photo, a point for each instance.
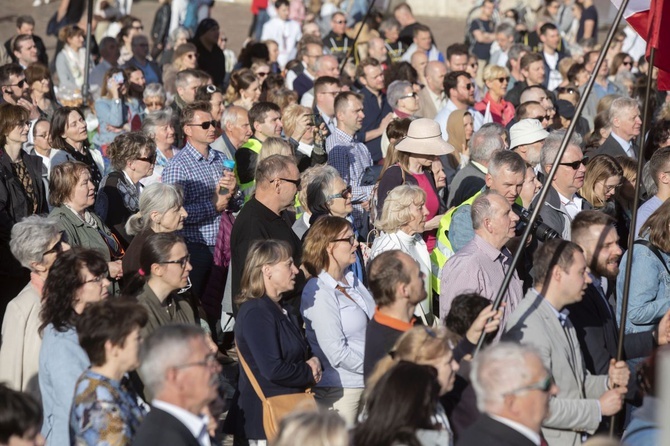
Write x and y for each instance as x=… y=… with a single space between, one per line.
x=248 y=188
x=443 y=250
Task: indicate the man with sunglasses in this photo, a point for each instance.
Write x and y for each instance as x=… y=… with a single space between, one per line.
x=207 y=188
x=583 y=400
x=15 y=89
x=563 y=202
x=513 y=388
x=336 y=42
x=460 y=90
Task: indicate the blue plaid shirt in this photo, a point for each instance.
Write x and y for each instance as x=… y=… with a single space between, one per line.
x=198 y=176
x=350 y=158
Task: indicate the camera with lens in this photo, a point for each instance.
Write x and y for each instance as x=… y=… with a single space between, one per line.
x=541 y=231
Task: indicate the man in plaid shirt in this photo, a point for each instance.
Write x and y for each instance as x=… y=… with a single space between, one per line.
x=349 y=156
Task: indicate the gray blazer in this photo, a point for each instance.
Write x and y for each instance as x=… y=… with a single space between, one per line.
x=575 y=409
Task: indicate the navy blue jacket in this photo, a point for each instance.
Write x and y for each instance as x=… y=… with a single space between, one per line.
x=302 y=84
x=373 y=117
x=275 y=350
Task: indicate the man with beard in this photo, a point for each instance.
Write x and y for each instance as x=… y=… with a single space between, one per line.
x=460 y=91
x=593 y=317
x=15 y=89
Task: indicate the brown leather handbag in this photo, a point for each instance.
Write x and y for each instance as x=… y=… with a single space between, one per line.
x=277 y=407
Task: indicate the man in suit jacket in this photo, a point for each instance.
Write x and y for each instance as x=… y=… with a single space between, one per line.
x=625 y=121
x=583 y=399
x=593 y=317
x=432 y=98
x=179 y=369
x=513 y=389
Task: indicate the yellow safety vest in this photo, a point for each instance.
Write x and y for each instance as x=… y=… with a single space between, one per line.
x=247 y=188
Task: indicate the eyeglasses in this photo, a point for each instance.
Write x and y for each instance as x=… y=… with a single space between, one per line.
x=262 y=73
x=182 y=262
x=149 y=159
x=346 y=193
x=411 y=95
x=138 y=28
x=339 y=22
x=468 y=86
x=204 y=125
x=543 y=386
x=42 y=136
x=575 y=164
x=568 y=90
x=502 y=80
x=627 y=62
x=542 y=118
x=58 y=247
x=295 y=182
x=209 y=361
x=609 y=189
x=351 y=239
x=19 y=84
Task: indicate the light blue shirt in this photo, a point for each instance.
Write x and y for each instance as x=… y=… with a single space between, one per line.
x=335 y=327
x=645 y=211
x=625 y=145
x=443 y=116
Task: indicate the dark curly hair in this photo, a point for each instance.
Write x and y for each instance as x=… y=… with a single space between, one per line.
x=658 y=134
x=464 y=310
x=20 y=413
x=65 y=278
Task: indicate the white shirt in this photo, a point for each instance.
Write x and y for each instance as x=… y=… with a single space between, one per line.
x=443 y=116
x=555 y=77
x=572 y=205
x=520 y=428
x=626 y=145
x=286 y=33
x=197 y=425
x=440 y=101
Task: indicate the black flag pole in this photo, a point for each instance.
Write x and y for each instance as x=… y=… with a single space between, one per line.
x=633 y=220
x=85 y=89
x=358 y=34
x=564 y=145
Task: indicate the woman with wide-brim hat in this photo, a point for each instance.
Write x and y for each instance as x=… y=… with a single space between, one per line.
x=415 y=154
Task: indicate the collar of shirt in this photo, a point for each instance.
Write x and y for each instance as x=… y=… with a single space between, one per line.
x=571 y=204
x=480 y=166
x=626 y=145
x=343 y=138
x=193 y=152
x=264 y=212
x=437 y=99
x=196 y=424
x=489 y=251
x=520 y=428
x=562 y=315
x=391 y=322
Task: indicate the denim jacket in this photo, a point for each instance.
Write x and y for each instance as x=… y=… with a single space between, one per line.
x=649 y=297
x=113 y=112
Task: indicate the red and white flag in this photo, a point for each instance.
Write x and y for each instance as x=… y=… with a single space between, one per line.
x=651 y=20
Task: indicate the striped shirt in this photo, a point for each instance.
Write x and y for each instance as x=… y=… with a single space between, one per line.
x=198 y=176
x=350 y=158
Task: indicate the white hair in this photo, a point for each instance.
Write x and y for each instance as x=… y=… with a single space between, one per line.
x=31 y=237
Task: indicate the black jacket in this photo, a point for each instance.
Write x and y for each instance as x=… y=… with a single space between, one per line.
x=489 y=432
x=161 y=26
x=15 y=205
x=159 y=428
x=612 y=147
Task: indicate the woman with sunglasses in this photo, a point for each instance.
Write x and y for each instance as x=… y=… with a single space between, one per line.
x=336 y=308
x=77 y=278
x=244 y=89
x=35 y=243
x=496 y=79
x=164 y=271
x=22 y=191
x=133 y=156
x=269 y=339
x=184 y=58
x=72 y=196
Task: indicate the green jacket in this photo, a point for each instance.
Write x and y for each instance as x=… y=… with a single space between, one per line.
x=81 y=234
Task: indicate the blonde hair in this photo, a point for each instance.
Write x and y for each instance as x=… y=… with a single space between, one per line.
x=291 y=115
x=274 y=146
x=396 y=212
x=495 y=71
x=314 y=428
x=261 y=253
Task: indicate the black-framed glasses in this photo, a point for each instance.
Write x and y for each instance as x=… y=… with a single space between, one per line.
x=149 y=159
x=627 y=62
x=411 y=95
x=204 y=125
x=138 y=28
x=502 y=80
x=58 y=246
x=209 y=361
x=19 y=84
x=346 y=193
x=469 y=86
x=262 y=73
x=542 y=118
x=296 y=183
x=351 y=240
x=181 y=262
x=543 y=386
x=568 y=90
x=575 y=164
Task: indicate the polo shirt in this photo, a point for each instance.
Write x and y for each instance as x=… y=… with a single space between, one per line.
x=380 y=336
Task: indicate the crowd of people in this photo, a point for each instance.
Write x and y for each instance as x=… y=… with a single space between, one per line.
x=322 y=222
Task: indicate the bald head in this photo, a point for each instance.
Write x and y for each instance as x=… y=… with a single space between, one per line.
x=327 y=66
x=435 y=73
x=377 y=49
x=419 y=60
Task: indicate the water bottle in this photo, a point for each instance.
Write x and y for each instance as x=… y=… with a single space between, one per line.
x=228 y=166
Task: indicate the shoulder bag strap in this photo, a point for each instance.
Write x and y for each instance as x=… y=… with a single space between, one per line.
x=250 y=375
x=653 y=249
x=342 y=290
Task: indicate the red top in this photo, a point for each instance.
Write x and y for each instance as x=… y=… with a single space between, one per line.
x=502 y=112
x=433 y=206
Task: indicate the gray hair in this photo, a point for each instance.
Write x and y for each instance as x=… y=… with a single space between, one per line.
x=31 y=238
x=620 y=106
x=395 y=91
x=154 y=90
x=167 y=347
x=506 y=158
x=319 y=61
x=271 y=167
x=553 y=143
x=482 y=208
x=396 y=211
x=484 y=142
x=155 y=119
x=230 y=115
x=324 y=175
x=515 y=51
x=499 y=370
x=156 y=197
x=505 y=28
x=389 y=24
x=184 y=77
x=179 y=31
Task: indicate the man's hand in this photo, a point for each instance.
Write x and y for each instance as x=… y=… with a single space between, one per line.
x=480 y=324
x=662 y=333
x=115 y=269
x=301 y=126
x=315 y=365
x=619 y=373
x=612 y=401
x=227 y=181
x=386 y=121
x=366 y=205
x=31 y=107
